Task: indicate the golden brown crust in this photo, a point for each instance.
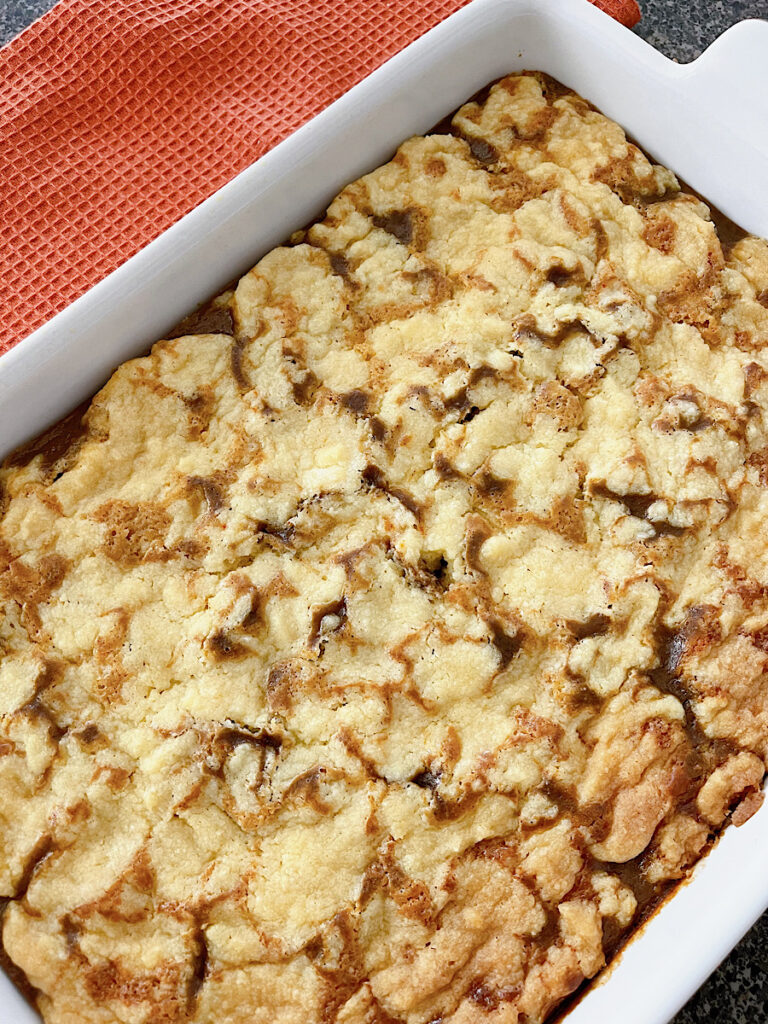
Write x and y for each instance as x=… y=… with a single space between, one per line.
x=383 y=655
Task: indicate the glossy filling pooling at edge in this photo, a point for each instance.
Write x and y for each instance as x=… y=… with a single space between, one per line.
x=384 y=655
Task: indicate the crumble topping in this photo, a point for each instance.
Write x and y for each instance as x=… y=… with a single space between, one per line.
x=380 y=650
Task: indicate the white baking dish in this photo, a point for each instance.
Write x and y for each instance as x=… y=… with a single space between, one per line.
x=707 y=120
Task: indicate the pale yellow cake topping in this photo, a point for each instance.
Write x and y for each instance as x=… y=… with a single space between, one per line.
x=382 y=658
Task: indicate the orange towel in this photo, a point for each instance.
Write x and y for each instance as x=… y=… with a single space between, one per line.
x=118 y=117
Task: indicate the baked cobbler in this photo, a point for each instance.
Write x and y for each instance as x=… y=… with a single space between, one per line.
x=383 y=652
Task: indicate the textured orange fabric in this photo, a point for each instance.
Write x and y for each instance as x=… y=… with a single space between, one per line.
x=119 y=116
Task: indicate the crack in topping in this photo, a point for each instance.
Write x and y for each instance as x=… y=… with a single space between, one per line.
x=638 y=505
x=328 y=618
x=398 y=223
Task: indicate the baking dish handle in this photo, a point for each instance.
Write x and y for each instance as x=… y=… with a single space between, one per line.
x=731 y=77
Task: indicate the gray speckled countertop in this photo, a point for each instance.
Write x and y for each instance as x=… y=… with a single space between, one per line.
x=737 y=993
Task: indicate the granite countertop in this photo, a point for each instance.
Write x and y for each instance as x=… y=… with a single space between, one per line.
x=737 y=993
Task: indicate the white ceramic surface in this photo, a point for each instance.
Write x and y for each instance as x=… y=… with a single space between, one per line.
x=707 y=120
